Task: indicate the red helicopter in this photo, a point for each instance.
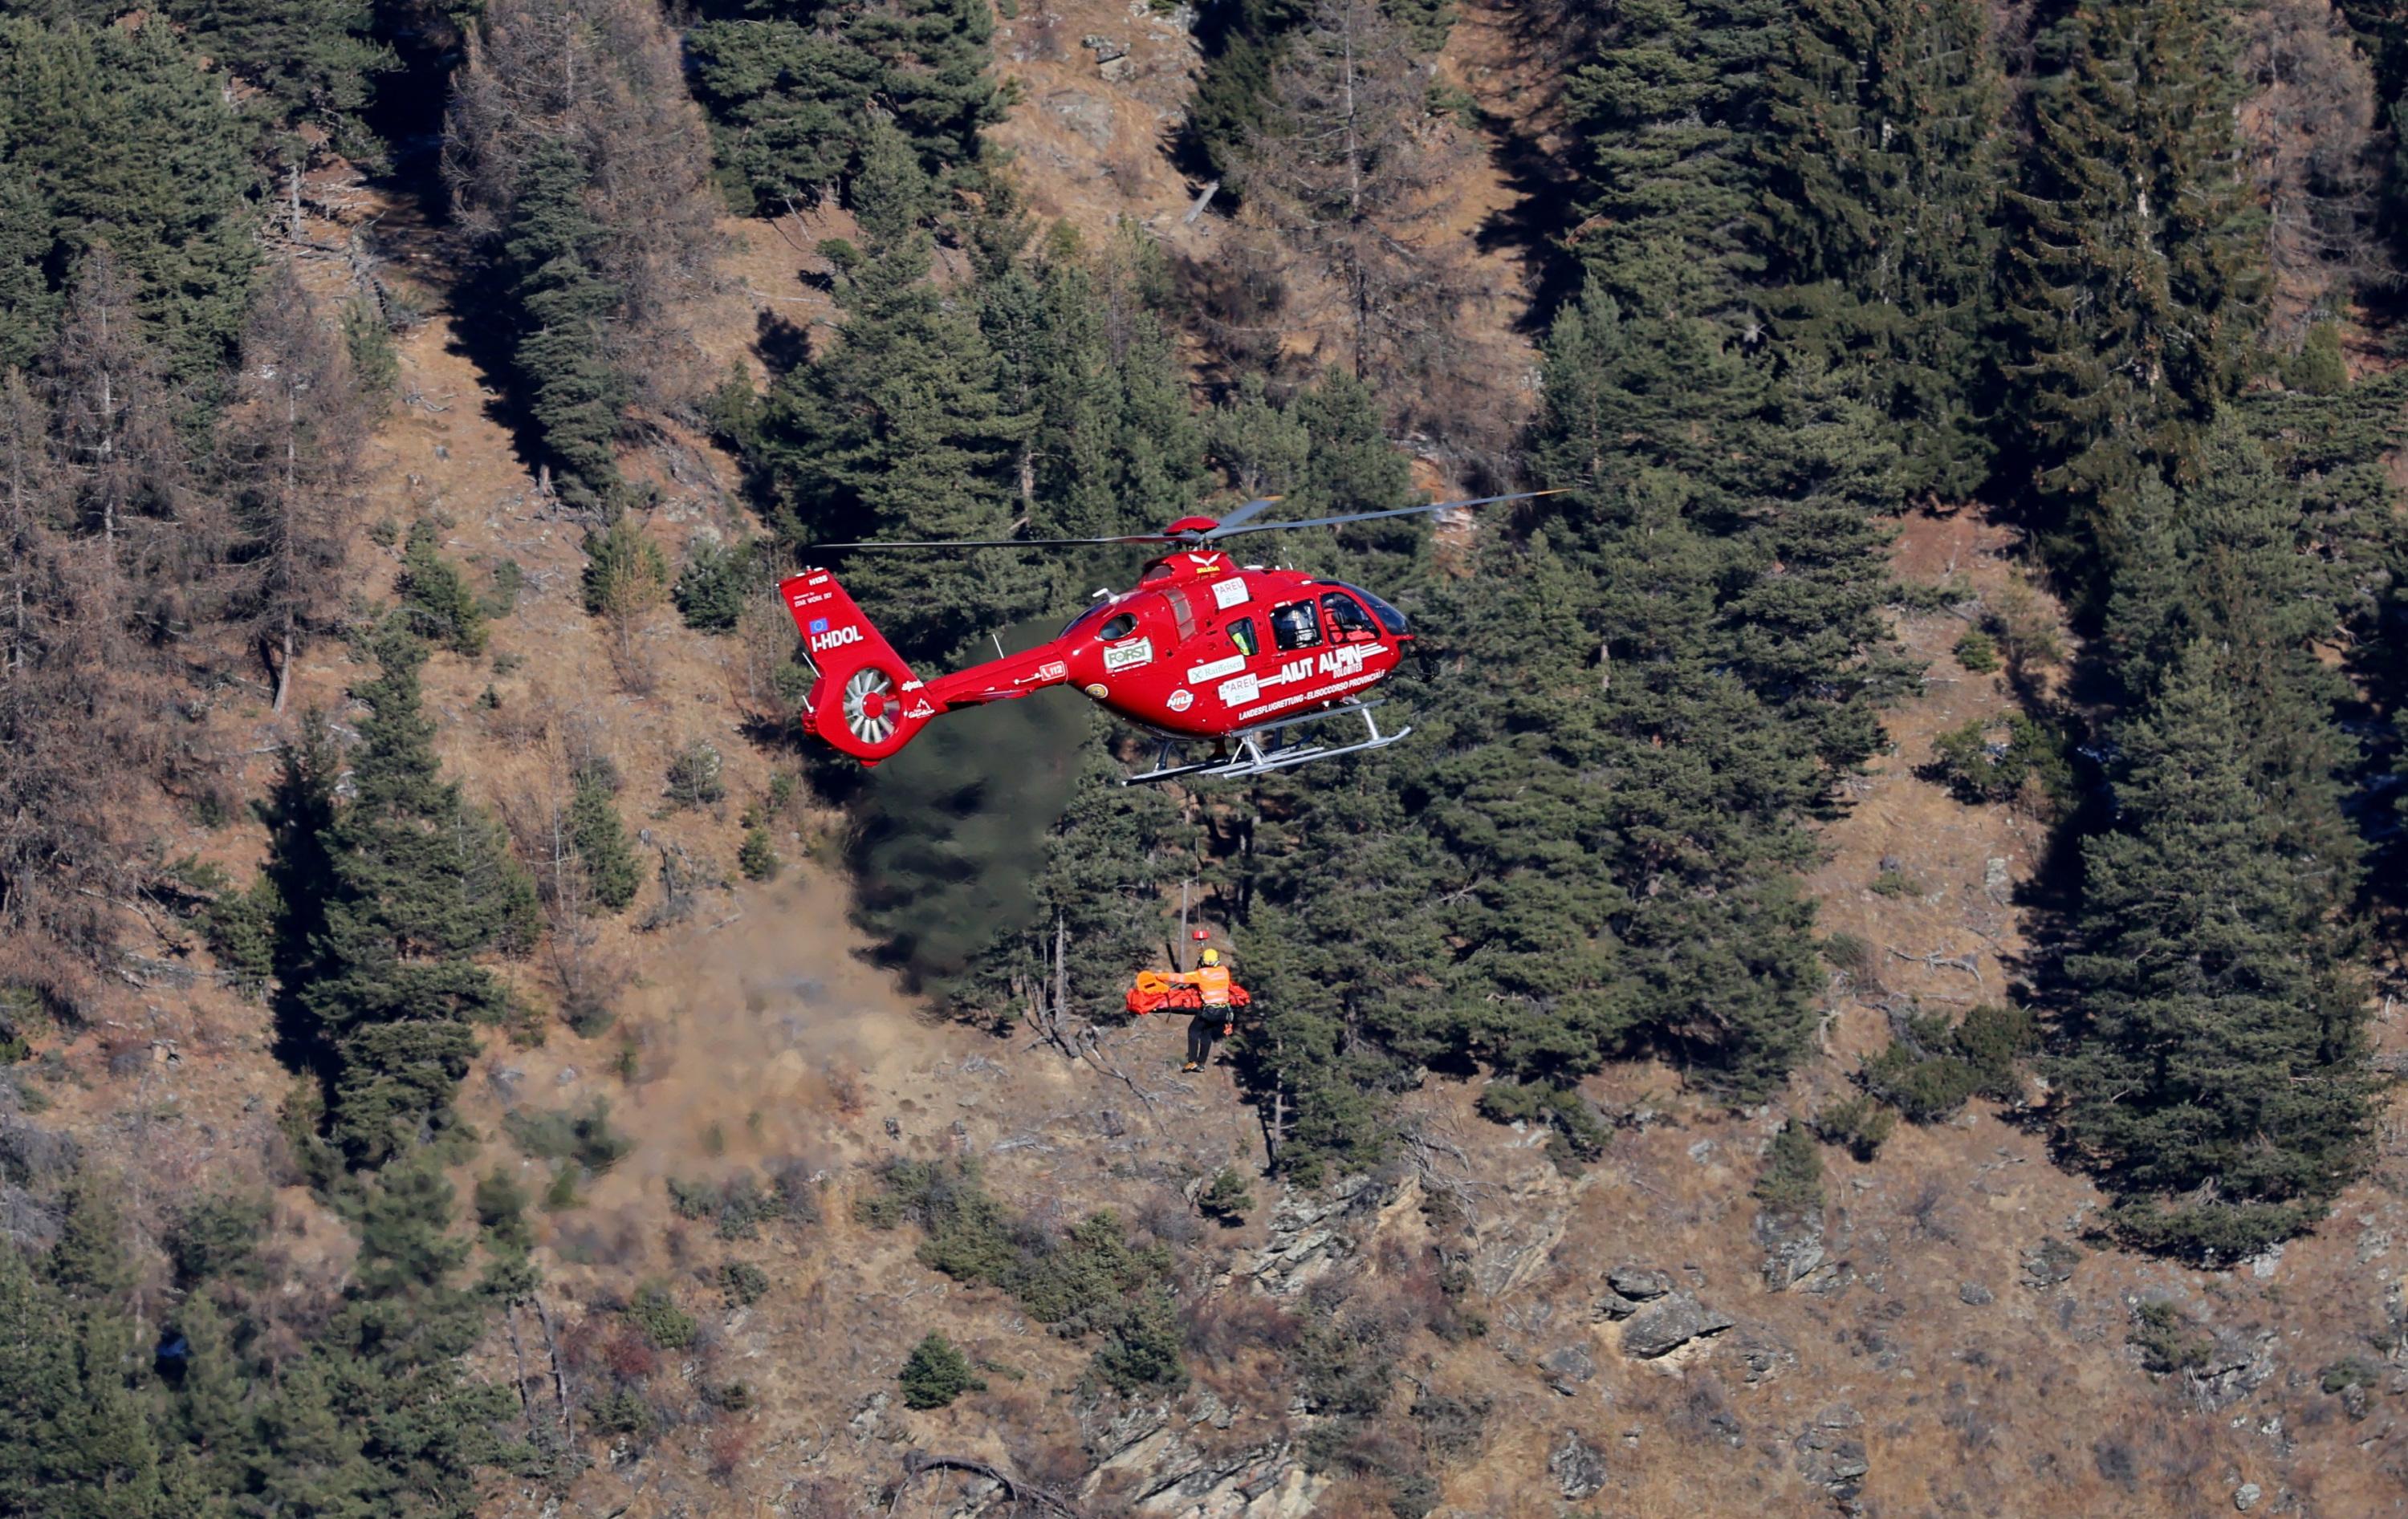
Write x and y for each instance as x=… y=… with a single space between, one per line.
x=1203 y=648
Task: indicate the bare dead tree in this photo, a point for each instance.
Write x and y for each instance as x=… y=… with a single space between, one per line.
x=605 y=76
x=292 y=462
x=70 y=678
x=1347 y=177
x=113 y=417
x=2309 y=128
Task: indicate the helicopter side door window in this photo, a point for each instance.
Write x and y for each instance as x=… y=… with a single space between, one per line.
x=1295 y=625
x=1241 y=632
x=1348 y=621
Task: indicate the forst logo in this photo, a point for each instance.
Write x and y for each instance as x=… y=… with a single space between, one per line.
x=823 y=642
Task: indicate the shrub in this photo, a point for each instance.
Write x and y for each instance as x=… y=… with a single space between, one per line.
x=506 y=581
x=1580 y=1135
x=620 y=1411
x=240 y=929
x=435 y=603
x=1858 y=1122
x=1895 y=883
x=583 y=1136
x=219 y=1237
x=1083 y=1280
x=376 y=368
x=1792 y=1180
x=935 y=1374
x=743 y=1283
x=1849 y=955
x=625 y=572
x=757 y=858
x=1226 y=1198
x=2350 y=1371
x=2169 y=1341
x=1977 y=651
x=1933 y=1069
x=658 y=1318
x=710 y=591
x=1143 y=1348
x=693 y=777
x=1993 y=761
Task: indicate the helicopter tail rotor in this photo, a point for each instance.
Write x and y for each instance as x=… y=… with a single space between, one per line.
x=865 y=703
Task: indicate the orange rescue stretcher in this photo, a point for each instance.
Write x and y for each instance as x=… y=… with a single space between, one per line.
x=1157 y=993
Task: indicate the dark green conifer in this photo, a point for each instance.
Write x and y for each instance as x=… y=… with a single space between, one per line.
x=1879 y=161
x=131 y=144
x=795 y=89
x=2214 y=1077
x=562 y=307
x=2134 y=281
x=900 y=432
x=421 y=883
x=601 y=841
x=437 y=603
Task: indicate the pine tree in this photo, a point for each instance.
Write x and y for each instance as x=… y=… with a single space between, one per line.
x=419 y=883
x=601 y=838
x=313 y=63
x=1668 y=110
x=2214 y=1077
x=795 y=87
x=1879 y=164
x=2134 y=282
x=562 y=307
x=436 y=601
x=28 y=305
x=132 y=145
x=900 y=432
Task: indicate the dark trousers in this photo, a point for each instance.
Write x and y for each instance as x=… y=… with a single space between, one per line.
x=1201 y=1030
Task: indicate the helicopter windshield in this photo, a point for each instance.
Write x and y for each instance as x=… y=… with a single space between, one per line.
x=1391 y=619
x=1083 y=619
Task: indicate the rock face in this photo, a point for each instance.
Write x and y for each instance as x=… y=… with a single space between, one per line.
x=1089 y=116
x=1640 y=1282
x=1833 y=1458
x=1568 y=1368
x=1793 y=1248
x=1307 y=1235
x=1577 y=1466
x=1667 y=1325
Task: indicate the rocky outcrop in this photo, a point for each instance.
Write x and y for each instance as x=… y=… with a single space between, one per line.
x=1831 y=1457
x=1308 y=1234
x=1793 y=1251
x=1666 y=1326
x=1577 y=1466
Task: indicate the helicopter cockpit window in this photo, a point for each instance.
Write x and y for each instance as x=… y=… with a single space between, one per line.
x=1295 y=626
x=1393 y=619
x=1348 y=621
x=1241 y=632
x=1118 y=628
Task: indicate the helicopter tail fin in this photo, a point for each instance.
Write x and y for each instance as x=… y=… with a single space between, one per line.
x=865 y=703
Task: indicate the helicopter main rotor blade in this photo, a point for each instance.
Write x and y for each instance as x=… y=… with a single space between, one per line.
x=991 y=543
x=1393 y=511
x=1241 y=514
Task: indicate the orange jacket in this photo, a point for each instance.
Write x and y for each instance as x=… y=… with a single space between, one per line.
x=1160 y=991
x=1211 y=983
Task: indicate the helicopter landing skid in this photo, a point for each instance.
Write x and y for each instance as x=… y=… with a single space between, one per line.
x=1253 y=755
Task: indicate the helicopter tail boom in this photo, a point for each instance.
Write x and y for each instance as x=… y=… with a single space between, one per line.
x=865 y=703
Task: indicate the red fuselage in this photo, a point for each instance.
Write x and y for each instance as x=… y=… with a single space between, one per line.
x=1204 y=648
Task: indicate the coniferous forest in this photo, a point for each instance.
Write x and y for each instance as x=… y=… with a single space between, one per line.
x=1869 y=987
